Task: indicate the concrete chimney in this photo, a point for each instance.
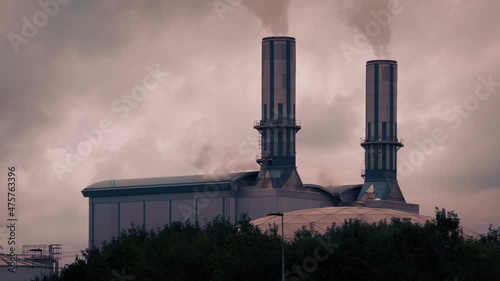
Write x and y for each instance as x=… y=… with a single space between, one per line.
x=278 y=125
x=381 y=142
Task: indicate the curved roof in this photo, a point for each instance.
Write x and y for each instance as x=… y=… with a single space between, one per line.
x=333 y=190
x=323 y=218
x=165 y=184
x=344 y=193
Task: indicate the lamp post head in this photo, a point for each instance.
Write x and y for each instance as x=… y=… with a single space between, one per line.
x=275 y=214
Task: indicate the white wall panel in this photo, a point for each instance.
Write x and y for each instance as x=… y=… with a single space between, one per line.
x=105 y=222
x=183 y=210
x=208 y=208
x=131 y=213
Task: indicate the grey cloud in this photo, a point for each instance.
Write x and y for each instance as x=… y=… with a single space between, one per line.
x=211 y=158
x=359 y=15
x=466 y=159
x=272 y=14
x=329 y=124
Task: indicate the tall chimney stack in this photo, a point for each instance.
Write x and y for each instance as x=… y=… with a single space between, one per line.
x=381 y=141
x=278 y=126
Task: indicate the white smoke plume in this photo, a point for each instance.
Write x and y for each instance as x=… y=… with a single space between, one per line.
x=272 y=13
x=372 y=19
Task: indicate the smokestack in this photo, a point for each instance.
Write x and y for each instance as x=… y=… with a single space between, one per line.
x=278 y=125
x=381 y=142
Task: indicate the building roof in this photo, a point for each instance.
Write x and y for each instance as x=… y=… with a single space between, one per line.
x=339 y=193
x=323 y=218
x=333 y=189
x=161 y=185
x=342 y=188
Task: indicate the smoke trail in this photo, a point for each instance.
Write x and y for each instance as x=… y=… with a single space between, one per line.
x=371 y=18
x=272 y=13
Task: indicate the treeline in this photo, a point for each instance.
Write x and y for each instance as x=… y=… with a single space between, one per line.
x=356 y=250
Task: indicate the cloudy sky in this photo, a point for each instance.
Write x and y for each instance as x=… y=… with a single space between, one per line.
x=95 y=90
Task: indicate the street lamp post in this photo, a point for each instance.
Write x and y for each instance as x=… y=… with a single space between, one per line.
x=282 y=243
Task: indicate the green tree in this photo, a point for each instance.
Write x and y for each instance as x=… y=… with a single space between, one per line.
x=356 y=250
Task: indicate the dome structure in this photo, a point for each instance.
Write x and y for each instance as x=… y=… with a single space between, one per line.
x=323 y=218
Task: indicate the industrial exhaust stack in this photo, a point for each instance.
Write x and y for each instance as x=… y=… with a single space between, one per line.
x=278 y=125
x=381 y=141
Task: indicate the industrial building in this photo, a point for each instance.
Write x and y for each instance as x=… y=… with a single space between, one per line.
x=114 y=205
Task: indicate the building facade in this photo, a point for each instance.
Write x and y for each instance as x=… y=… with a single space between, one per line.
x=116 y=205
